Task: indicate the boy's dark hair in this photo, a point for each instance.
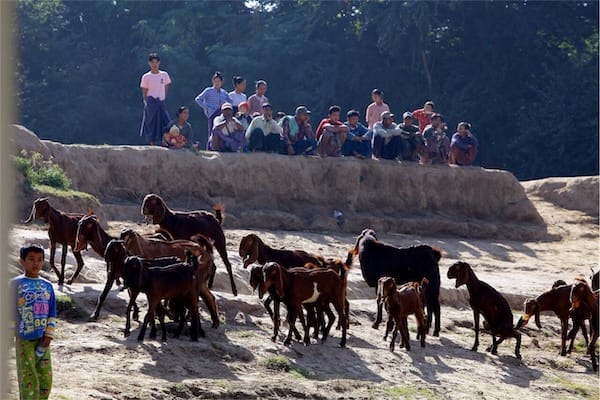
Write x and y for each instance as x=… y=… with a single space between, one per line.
x=219 y=75
x=353 y=113
x=153 y=56
x=31 y=248
x=333 y=109
x=237 y=80
x=378 y=92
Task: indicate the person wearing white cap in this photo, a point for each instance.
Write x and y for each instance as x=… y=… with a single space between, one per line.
x=298 y=137
x=228 y=133
x=412 y=141
x=387 y=138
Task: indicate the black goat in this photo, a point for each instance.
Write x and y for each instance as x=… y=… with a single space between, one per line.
x=378 y=259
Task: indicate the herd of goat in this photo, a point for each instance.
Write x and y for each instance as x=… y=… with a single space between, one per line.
x=175 y=267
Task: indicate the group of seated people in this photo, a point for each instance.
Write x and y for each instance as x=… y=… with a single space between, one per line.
x=250 y=126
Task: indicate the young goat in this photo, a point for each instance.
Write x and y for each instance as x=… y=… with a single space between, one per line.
x=492 y=305
x=303 y=286
x=401 y=302
x=556 y=300
x=174 y=282
x=62 y=229
x=583 y=299
x=410 y=264
x=184 y=225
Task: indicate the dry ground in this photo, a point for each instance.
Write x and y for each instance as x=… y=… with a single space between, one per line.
x=237 y=360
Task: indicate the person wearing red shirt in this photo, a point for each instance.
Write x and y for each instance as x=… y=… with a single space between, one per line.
x=331 y=134
x=423 y=115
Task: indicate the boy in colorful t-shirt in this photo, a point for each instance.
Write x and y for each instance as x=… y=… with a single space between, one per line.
x=35 y=325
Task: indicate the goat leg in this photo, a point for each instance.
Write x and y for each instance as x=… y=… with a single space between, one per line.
x=476 y=327
x=291 y=322
x=267 y=304
x=63 y=261
x=109 y=282
x=211 y=304
x=305 y=326
x=518 y=345
x=404 y=333
x=78 y=269
x=144 y=325
x=564 y=327
x=388 y=327
x=394 y=335
x=330 y=320
x=61 y=278
x=378 y=317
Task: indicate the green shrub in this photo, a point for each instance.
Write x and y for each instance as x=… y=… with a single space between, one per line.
x=41 y=172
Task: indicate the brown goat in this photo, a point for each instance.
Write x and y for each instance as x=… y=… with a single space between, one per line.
x=303 y=286
x=184 y=225
x=401 y=302
x=62 y=229
x=253 y=249
x=556 y=300
x=492 y=305
x=174 y=282
x=583 y=299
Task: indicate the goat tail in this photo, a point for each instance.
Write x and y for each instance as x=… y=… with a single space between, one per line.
x=219 y=212
x=437 y=253
x=344 y=273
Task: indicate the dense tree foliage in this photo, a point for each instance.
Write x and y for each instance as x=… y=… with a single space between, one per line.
x=525 y=74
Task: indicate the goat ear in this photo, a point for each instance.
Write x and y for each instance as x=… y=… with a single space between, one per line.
x=463 y=275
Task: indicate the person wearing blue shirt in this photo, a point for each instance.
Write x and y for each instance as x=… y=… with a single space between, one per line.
x=358 y=141
x=35 y=325
x=212 y=98
x=463 y=147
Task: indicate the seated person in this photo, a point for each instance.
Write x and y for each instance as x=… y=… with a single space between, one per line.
x=297 y=133
x=437 y=144
x=185 y=128
x=243 y=114
x=423 y=115
x=174 y=139
x=387 y=140
x=331 y=134
x=227 y=134
x=263 y=133
x=412 y=141
x=463 y=147
x=358 y=141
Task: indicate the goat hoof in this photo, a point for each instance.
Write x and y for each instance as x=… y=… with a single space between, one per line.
x=518 y=355
x=287 y=342
x=436 y=333
x=474 y=348
x=375 y=325
x=92 y=318
x=564 y=352
x=273 y=338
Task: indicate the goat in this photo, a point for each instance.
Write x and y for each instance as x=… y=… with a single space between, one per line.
x=183 y=225
x=115 y=257
x=177 y=281
x=410 y=264
x=583 y=299
x=62 y=229
x=400 y=303
x=253 y=249
x=556 y=300
x=304 y=286
x=492 y=305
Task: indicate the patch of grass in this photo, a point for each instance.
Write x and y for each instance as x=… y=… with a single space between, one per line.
x=276 y=363
x=298 y=372
x=589 y=391
x=40 y=171
x=66 y=308
x=68 y=193
x=409 y=392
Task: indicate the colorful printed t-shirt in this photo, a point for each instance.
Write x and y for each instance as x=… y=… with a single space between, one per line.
x=36 y=307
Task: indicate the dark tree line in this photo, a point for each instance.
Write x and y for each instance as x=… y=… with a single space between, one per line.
x=525 y=74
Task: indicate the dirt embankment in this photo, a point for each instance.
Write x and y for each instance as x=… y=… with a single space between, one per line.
x=299 y=193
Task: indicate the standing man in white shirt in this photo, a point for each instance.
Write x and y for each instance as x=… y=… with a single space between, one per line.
x=154 y=84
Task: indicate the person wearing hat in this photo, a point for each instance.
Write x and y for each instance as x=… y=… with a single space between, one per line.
x=331 y=134
x=463 y=147
x=297 y=135
x=358 y=141
x=264 y=134
x=387 y=137
x=437 y=144
x=174 y=139
x=228 y=133
x=412 y=141
x=243 y=115
x=375 y=109
x=423 y=115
